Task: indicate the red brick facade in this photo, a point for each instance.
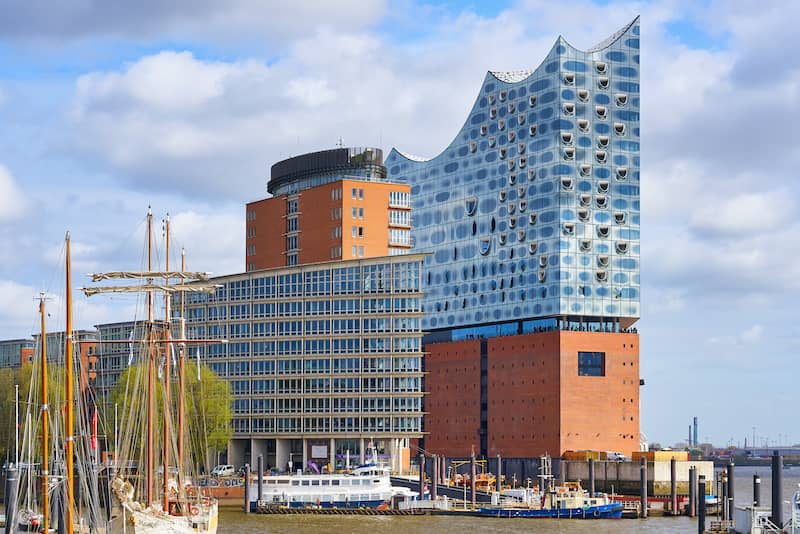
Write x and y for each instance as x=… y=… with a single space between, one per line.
x=536 y=401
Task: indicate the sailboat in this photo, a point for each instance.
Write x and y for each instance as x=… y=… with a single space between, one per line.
x=159 y=499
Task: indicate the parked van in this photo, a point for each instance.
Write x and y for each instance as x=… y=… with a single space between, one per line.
x=223 y=471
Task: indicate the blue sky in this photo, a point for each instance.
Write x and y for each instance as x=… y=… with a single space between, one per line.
x=107 y=107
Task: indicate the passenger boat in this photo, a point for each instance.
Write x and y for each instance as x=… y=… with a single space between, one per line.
x=567 y=501
x=367 y=486
x=563 y=502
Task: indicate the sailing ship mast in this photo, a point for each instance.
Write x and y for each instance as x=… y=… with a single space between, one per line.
x=45 y=417
x=151 y=367
x=68 y=384
x=181 y=383
x=154 y=339
x=167 y=373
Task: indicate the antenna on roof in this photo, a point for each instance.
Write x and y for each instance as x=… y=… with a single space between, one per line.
x=340 y=142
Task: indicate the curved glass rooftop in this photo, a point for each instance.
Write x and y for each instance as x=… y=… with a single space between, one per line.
x=318 y=168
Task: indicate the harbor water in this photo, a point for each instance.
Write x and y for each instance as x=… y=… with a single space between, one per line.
x=233 y=520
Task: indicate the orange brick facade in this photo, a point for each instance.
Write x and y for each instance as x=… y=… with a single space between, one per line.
x=328 y=216
x=536 y=401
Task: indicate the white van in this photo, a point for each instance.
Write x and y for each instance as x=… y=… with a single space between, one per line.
x=226 y=470
x=616 y=456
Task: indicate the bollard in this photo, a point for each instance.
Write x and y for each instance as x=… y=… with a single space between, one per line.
x=673 y=486
x=435 y=478
x=756 y=490
x=701 y=505
x=723 y=494
x=472 y=477
x=499 y=473
x=421 y=476
x=777 y=490
x=260 y=481
x=692 y=491
x=643 y=488
x=247 y=488
x=591 y=477
x=12 y=485
x=730 y=501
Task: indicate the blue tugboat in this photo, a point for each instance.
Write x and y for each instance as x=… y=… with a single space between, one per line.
x=569 y=501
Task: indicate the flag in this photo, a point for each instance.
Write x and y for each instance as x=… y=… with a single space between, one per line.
x=94 y=428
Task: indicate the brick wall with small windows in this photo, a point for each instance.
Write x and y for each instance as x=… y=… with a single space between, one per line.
x=546 y=393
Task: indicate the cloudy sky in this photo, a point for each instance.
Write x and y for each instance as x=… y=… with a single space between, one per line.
x=107 y=107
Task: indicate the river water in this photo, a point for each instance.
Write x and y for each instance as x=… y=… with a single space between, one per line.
x=233 y=520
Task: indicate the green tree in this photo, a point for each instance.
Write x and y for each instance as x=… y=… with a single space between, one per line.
x=208 y=407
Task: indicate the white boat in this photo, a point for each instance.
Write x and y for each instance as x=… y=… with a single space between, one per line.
x=368 y=486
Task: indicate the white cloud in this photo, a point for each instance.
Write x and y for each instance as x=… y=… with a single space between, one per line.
x=752 y=334
x=214 y=242
x=12 y=200
x=18 y=311
x=744 y=213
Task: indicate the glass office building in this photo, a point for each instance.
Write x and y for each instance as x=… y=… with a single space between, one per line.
x=322 y=358
x=533 y=210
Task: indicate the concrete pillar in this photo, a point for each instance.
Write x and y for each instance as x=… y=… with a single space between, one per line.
x=692 y=491
x=282 y=448
x=434 y=477
x=591 y=477
x=260 y=481
x=421 y=476
x=247 y=488
x=777 y=489
x=12 y=485
x=332 y=456
x=361 y=452
x=305 y=454
x=701 y=505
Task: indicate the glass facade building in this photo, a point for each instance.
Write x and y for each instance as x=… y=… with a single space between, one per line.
x=533 y=210
x=329 y=351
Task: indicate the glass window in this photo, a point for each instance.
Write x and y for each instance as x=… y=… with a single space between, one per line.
x=591 y=364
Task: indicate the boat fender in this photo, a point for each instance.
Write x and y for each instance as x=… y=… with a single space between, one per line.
x=596 y=512
x=195 y=510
